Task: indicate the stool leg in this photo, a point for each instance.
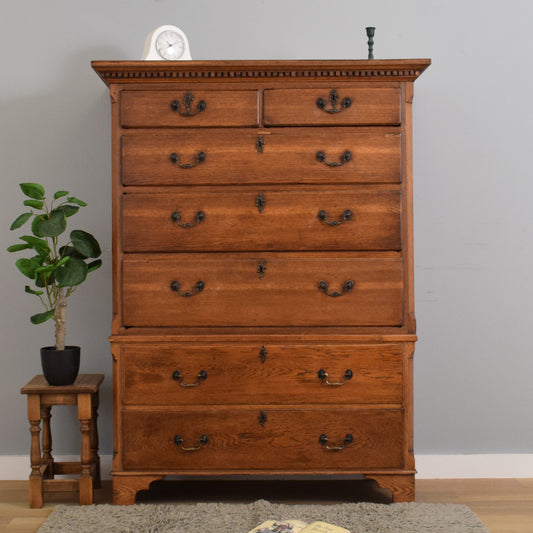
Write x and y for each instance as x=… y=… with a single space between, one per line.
x=86 y=479
x=95 y=458
x=47 y=458
x=36 y=479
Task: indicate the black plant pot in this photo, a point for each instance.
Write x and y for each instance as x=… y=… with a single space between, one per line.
x=60 y=367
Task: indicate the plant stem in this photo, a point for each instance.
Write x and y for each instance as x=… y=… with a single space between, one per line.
x=60 y=313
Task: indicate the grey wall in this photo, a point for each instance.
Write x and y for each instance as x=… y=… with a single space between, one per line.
x=473 y=183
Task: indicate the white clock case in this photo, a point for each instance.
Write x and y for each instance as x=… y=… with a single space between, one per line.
x=150 y=52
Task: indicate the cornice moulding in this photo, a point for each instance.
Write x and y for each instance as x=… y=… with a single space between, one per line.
x=133 y=71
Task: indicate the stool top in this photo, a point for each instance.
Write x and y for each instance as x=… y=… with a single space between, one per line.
x=84 y=383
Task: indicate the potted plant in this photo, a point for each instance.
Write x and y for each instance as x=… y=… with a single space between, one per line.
x=56 y=270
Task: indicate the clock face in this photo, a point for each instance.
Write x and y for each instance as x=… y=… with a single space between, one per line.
x=170 y=45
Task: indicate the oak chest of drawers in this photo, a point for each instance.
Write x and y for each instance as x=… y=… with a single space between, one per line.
x=263 y=270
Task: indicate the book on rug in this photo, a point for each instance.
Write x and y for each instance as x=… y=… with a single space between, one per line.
x=297 y=526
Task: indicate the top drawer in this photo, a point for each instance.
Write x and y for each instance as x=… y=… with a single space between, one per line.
x=323 y=106
x=185 y=108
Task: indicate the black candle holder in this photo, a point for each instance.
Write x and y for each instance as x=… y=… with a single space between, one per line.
x=370 y=30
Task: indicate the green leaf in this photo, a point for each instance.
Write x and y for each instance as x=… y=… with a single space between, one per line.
x=94 y=265
x=38 y=204
x=39 y=259
x=33 y=190
x=59 y=194
x=67 y=210
x=31 y=291
x=36 y=223
x=63 y=260
x=20 y=220
x=70 y=251
x=85 y=243
x=41 y=277
x=27 y=266
x=39 y=318
x=18 y=247
x=39 y=244
x=74 y=200
x=72 y=273
x=51 y=226
x=45 y=269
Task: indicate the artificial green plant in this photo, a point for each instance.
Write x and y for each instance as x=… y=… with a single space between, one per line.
x=57 y=268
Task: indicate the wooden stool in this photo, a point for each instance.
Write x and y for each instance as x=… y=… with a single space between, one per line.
x=41 y=397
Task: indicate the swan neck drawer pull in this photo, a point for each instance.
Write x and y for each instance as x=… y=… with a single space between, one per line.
x=323 y=217
x=323 y=440
x=198 y=287
x=323 y=375
x=322 y=158
x=176 y=217
x=333 y=100
x=324 y=287
x=178 y=441
x=188 y=99
x=201 y=376
x=200 y=158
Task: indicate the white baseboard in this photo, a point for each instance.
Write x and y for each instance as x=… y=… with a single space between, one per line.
x=428 y=466
x=505 y=465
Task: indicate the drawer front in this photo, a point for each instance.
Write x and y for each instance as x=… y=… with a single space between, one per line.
x=262 y=290
x=196 y=108
x=196 y=220
x=295 y=155
x=170 y=374
x=263 y=438
x=324 y=106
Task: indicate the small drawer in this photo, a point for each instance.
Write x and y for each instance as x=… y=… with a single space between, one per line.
x=188 y=108
x=262 y=289
x=181 y=220
x=322 y=106
x=277 y=439
x=245 y=374
x=278 y=155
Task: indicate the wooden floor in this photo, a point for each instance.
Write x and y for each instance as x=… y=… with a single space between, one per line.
x=504 y=505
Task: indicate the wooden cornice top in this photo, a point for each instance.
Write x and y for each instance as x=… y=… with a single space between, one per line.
x=135 y=71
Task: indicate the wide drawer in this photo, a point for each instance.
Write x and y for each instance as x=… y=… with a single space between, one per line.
x=263 y=438
x=262 y=289
x=188 y=108
x=336 y=106
x=286 y=155
x=206 y=374
x=240 y=220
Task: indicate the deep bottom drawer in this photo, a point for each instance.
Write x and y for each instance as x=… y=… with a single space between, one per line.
x=263 y=438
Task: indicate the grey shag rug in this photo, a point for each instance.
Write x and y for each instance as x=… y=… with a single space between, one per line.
x=241 y=518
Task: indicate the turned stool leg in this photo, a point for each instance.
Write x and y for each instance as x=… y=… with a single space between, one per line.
x=86 y=479
x=95 y=458
x=47 y=458
x=36 y=479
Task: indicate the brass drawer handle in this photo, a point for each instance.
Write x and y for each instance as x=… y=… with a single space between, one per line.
x=176 y=217
x=333 y=99
x=178 y=441
x=199 y=287
x=200 y=158
x=347 y=287
x=323 y=375
x=323 y=217
x=201 y=376
x=188 y=99
x=323 y=439
x=322 y=158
